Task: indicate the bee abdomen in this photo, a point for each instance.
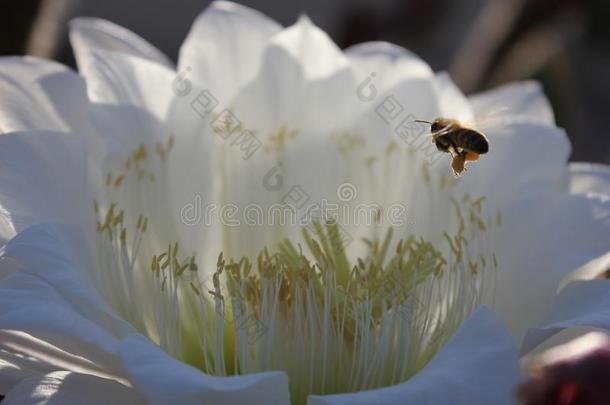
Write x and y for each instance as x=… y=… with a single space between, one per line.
x=473 y=141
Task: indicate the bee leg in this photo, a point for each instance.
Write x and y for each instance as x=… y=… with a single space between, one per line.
x=453 y=152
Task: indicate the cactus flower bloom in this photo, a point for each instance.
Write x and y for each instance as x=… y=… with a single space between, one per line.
x=264 y=223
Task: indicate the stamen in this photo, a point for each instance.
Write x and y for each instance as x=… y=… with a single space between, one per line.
x=358 y=323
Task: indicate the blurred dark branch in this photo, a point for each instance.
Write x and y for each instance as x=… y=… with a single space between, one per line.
x=489 y=31
x=47 y=28
x=534 y=49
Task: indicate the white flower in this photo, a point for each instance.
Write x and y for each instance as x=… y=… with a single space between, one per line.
x=124 y=185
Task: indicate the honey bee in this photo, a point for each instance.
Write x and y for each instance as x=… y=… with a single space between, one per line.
x=462 y=143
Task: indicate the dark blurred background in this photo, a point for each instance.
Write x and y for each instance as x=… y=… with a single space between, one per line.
x=565 y=44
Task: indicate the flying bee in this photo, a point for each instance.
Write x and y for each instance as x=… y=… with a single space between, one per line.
x=462 y=143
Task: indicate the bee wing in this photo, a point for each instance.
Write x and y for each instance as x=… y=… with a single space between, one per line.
x=436 y=134
x=490 y=117
x=443 y=131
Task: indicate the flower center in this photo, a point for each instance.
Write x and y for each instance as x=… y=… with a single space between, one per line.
x=333 y=323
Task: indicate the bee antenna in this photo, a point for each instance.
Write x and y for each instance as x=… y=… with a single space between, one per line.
x=427 y=122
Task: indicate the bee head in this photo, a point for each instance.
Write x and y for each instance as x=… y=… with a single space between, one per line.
x=440 y=124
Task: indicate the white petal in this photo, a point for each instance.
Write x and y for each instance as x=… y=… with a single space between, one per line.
x=524 y=158
x=317 y=55
x=132 y=98
x=389 y=76
x=571 y=350
x=7 y=229
x=545 y=236
x=478 y=365
x=23 y=355
x=392 y=78
x=316 y=108
x=589 y=177
x=125 y=80
x=452 y=101
x=67 y=388
x=43 y=178
x=193 y=185
x=11 y=374
x=224 y=47
x=50 y=298
x=521 y=101
x=39 y=94
x=94 y=33
x=164 y=380
x=590 y=270
x=386 y=64
x=27 y=304
x=580 y=303
x=304 y=82
x=131 y=94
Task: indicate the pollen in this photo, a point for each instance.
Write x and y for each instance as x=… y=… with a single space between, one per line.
x=358 y=322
